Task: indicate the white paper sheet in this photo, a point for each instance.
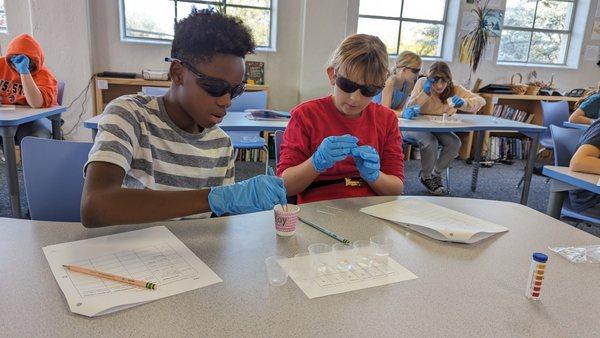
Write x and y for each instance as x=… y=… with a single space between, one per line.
x=591 y=53
x=448 y=120
x=434 y=221
x=152 y=254
x=333 y=281
x=7 y=107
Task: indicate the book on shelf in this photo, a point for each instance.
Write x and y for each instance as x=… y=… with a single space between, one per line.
x=510 y=113
x=255 y=73
x=508 y=148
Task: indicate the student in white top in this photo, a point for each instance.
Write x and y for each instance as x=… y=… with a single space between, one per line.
x=437 y=95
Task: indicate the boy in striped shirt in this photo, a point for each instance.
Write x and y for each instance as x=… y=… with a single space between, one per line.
x=157 y=158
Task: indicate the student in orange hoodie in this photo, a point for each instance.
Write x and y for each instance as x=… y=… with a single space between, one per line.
x=24 y=80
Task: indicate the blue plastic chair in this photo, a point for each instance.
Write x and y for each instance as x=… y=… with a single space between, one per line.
x=565 y=142
x=278 y=142
x=61 y=91
x=553 y=113
x=53 y=173
x=249 y=139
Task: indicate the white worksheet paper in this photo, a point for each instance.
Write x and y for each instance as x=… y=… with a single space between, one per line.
x=434 y=221
x=152 y=254
x=333 y=281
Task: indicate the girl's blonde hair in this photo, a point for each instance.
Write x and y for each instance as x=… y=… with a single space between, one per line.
x=408 y=59
x=364 y=56
x=442 y=70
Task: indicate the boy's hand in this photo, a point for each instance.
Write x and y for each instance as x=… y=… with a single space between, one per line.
x=411 y=112
x=256 y=194
x=21 y=63
x=333 y=149
x=367 y=161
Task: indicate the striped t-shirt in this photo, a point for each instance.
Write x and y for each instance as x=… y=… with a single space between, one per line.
x=136 y=134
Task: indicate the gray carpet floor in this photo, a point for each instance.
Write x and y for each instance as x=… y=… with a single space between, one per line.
x=497 y=183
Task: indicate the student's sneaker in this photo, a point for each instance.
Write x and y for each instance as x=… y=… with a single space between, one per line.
x=432 y=186
x=438 y=181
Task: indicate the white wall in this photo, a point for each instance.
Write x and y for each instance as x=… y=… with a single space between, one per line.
x=61 y=27
x=81 y=37
x=308 y=31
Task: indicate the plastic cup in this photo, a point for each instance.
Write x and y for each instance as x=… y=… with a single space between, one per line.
x=382 y=246
x=286 y=219
x=320 y=255
x=303 y=266
x=276 y=274
x=364 y=253
x=344 y=256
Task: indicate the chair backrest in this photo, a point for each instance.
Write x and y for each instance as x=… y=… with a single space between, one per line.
x=53 y=173
x=61 y=91
x=154 y=91
x=278 y=142
x=565 y=143
x=249 y=100
x=554 y=113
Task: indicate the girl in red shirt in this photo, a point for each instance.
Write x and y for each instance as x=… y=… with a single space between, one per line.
x=344 y=145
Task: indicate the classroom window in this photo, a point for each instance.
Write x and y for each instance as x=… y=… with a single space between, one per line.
x=537 y=31
x=415 y=25
x=149 y=20
x=3 y=27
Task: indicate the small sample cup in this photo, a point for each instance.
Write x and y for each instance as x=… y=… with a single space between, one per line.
x=286 y=219
x=276 y=274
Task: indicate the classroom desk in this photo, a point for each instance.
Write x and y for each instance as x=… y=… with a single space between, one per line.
x=476 y=123
x=92 y=124
x=582 y=126
x=10 y=120
x=462 y=290
x=563 y=180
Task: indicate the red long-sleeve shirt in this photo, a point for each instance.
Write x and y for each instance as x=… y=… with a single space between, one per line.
x=314 y=120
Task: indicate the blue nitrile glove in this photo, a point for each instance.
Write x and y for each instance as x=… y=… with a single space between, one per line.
x=427 y=86
x=411 y=112
x=367 y=162
x=332 y=150
x=21 y=63
x=457 y=101
x=259 y=193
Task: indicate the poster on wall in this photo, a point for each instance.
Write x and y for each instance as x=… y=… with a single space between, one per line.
x=493 y=22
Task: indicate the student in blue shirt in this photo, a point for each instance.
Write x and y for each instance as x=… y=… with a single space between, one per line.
x=400 y=84
x=587 y=159
x=588 y=111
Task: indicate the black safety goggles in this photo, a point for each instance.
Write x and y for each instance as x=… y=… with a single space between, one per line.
x=351 y=86
x=215 y=87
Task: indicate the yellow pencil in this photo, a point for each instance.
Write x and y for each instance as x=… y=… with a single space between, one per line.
x=148 y=285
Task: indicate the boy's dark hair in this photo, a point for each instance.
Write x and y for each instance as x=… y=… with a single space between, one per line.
x=205 y=33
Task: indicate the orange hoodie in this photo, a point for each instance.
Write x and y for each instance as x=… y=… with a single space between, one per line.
x=11 y=88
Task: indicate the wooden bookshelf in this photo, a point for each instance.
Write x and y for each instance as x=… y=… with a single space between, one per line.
x=120 y=86
x=529 y=103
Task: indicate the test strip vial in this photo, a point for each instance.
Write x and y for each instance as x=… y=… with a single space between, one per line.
x=536 y=275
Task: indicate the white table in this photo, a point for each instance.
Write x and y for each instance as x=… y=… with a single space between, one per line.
x=462 y=290
x=10 y=120
x=563 y=180
x=237 y=121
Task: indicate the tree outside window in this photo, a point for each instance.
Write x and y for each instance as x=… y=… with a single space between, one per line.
x=153 y=20
x=415 y=25
x=536 y=31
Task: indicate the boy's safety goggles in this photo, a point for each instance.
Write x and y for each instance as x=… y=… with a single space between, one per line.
x=215 y=87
